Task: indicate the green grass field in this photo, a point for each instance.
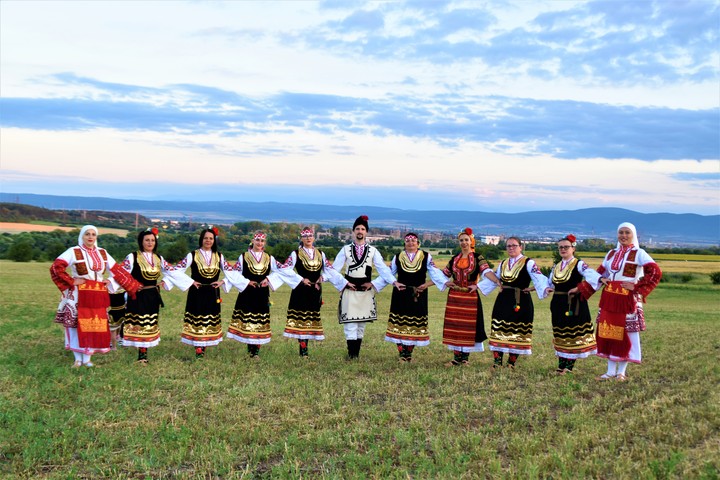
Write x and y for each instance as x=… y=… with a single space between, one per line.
x=282 y=417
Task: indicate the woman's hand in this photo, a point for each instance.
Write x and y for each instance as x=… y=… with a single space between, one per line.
x=573 y=291
x=628 y=286
x=265 y=282
x=217 y=284
x=472 y=287
x=399 y=286
x=196 y=284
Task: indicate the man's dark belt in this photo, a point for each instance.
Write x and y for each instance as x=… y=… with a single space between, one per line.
x=358 y=281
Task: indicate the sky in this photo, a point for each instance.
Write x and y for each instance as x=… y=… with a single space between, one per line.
x=502 y=106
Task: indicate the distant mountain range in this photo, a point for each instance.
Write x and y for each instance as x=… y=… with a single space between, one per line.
x=655 y=228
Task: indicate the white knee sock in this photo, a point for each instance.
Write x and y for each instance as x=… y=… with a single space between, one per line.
x=78 y=356
x=612 y=368
x=86 y=358
x=621 y=367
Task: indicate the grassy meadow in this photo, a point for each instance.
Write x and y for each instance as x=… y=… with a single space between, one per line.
x=283 y=417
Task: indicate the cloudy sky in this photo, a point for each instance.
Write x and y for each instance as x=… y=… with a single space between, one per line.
x=493 y=106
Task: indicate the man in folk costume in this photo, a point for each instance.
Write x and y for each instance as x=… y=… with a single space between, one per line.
x=357 y=298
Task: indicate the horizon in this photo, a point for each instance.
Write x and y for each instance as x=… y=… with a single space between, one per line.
x=320 y=204
x=508 y=106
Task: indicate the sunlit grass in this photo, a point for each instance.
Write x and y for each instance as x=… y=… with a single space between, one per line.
x=228 y=417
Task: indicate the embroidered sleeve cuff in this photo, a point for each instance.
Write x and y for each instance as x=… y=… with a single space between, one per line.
x=59 y=276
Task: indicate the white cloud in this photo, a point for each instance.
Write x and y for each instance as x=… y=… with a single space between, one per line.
x=405 y=81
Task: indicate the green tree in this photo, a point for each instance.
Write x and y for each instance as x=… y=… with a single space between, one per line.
x=282 y=251
x=21 y=251
x=175 y=251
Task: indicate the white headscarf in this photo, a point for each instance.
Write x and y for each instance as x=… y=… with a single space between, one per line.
x=85 y=229
x=632 y=228
x=636 y=244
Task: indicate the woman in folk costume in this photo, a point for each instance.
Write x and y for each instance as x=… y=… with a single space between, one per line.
x=303 y=313
x=573 y=334
x=629 y=275
x=513 y=312
x=202 y=325
x=140 y=325
x=408 y=320
x=463 y=329
x=255 y=274
x=85 y=299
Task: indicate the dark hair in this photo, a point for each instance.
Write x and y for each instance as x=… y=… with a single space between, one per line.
x=141 y=237
x=202 y=235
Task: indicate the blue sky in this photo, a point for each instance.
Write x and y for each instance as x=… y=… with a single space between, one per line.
x=492 y=106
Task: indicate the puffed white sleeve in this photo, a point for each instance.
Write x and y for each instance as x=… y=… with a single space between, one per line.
x=589 y=275
x=383 y=270
x=487 y=285
x=339 y=281
x=540 y=281
x=165 y=267
x=235 y=278
x=436 y=275
x=380 y=282
x=274 y=278
x=287 y=271
x=329 y=274
x=175 y=274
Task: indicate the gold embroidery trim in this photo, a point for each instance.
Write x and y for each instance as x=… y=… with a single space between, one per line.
x=310 y=264
x=562 y=275
x=511 y=274
x=148 y=271
x=207 y=271
x=255 y=267
x=411 y=266
x=611 y=332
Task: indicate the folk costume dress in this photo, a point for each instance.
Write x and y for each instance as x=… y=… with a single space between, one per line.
x=464 y=328
x=140 y=327
x=116 y=311
x=513 y=311
x=621 y=317
x=357 y=307
x=250 y=322
x=303 y=313
x=83 y=308
x=573 y=332
x=408 y=319
x=202 y=326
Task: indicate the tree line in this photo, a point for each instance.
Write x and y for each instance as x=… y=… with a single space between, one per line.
x=235 y=239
